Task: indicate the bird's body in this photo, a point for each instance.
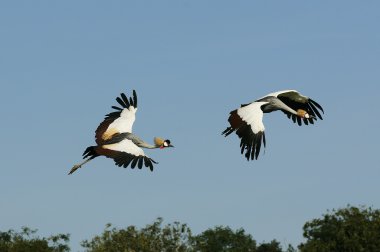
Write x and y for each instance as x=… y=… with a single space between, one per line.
x=247 y=120
x=114 y=138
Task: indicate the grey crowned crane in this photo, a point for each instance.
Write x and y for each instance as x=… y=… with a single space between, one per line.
x=114 y=138
x=247 y=121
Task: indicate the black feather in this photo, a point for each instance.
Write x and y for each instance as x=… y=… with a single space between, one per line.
x=316 y=104
x=248 y=151
x=147 y=162
x=299 y=121
x=316 y=110
x=140 y=164
x=134 y=162
x=125 y=99
x=227 y=131
x=258 y=144
x=131 y=102
x=250 y=143
x=121 y=102
x=113 y=115
x=127 y=162
x=264 y=141
x=294 y=118
x=311 y=110
x=134 y=98
x=90 y=152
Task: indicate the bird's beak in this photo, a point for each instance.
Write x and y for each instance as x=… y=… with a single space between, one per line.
x=170 y=145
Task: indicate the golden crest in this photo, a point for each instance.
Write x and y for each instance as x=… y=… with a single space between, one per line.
x=158 y=141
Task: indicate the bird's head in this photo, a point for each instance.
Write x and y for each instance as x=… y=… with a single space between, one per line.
x=161 y=143
x=303 y=114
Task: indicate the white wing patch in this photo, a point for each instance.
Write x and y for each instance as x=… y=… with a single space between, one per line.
x=127 y=146
x=253 y=116
x=124 y=123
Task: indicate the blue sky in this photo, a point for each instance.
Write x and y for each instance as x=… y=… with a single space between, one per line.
x=63 y=63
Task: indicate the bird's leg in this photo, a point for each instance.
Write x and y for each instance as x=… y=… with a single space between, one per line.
x=77 y=166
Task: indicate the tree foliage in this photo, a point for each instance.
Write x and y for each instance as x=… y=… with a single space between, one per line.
x=224 y=239
x=348 y=229
x=27 y=241
x=175 y=237
x=154 y=237
x=273 y=246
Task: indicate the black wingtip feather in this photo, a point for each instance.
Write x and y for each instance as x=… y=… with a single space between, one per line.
x=250 y=143
x=135 y=98
x=258 y=146
x=134 y=162
x=131 y=101
x=264 y=141
x=294 y=118
x=317 y=105
x=121 y=102
x=312 y=106
x=127 y=163
x=140 y=164
x=299 y=121
x=125 y=99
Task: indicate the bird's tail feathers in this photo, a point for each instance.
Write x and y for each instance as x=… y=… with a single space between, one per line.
x=228 y=131
x=90 y=152
x=235 y=121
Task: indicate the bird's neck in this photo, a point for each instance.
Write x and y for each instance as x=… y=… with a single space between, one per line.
x=149 y=146
x=285 y=107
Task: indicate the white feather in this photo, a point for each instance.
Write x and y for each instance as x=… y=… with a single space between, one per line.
x=127 y=146
x=253 y=116
x=124 y=123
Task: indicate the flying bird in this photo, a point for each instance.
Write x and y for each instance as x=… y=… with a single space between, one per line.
x=114 y=138
x=247 y=121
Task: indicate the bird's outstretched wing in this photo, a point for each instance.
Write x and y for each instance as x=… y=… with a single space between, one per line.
x=296 y=101
x=119 y=121
x=247 y=121
x=126 y=153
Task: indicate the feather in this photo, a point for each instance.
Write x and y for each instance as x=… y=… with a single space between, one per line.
x=134 y=162
x=316 y=104
x=121 y=102
x=140 y=164
x=125 y=99
x=134 y=99
x=158 y=141
x=131 y=102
